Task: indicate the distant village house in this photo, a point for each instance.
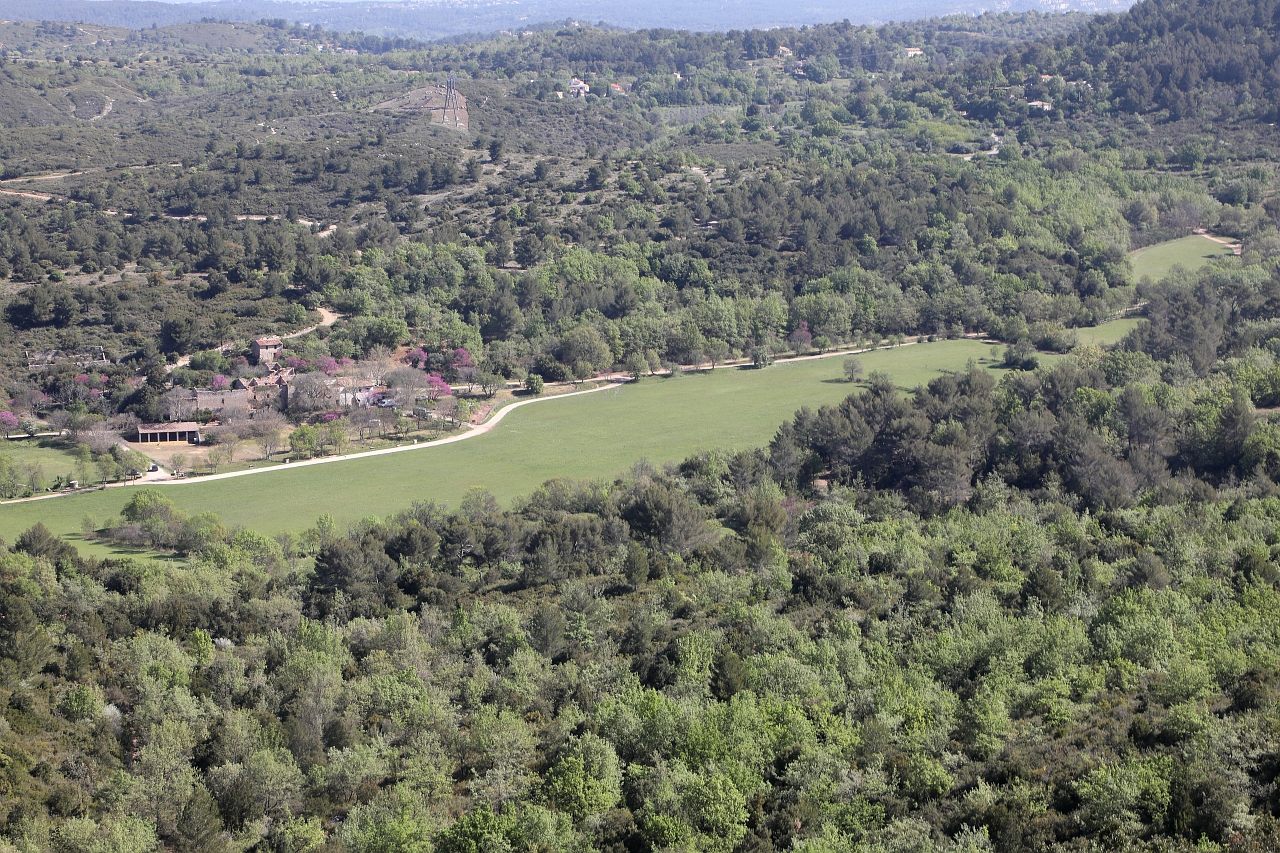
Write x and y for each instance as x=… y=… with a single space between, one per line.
x=266 y=350
x=185 y=403
x=223 y=403
x=267 y=391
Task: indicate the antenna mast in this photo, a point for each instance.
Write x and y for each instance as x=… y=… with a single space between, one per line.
x=451 y=100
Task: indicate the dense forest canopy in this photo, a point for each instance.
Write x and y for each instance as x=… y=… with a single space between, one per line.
x=1175 y=59
x=1027 y=612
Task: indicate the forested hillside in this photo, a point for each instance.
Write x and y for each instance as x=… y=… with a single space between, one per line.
x=732 y=191
x=1030 y=605
x=1039 y=615
x=1191 y=58
x=1165 y=57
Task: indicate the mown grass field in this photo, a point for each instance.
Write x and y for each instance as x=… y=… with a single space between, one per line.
x=1156 y=261
x=592 y=436
x=54 y=461
x=1110 y=332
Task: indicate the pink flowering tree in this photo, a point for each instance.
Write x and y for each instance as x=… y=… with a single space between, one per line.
x=327 y=365
x=437 y=387
x=417 y=357
x=220 y=383
x=9 y=422
x=462 y=367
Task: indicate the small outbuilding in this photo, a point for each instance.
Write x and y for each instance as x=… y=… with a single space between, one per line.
x=188 y=431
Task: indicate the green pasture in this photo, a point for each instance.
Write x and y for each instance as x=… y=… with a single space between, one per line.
x=1108 y=333
x=52 y=458
x=1156 y=261
x=592 y=436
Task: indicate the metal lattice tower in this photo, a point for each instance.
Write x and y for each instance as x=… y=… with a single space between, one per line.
x=451 y=101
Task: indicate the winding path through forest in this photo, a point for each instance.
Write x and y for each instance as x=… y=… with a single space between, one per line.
x=32 y=195
x=327 y=318
x=1234 y=245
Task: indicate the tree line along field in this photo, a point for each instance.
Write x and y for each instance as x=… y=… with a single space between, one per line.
x=588 y=437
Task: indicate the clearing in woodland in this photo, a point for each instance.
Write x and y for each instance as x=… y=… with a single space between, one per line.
x=592 y=436
x=1191 y=253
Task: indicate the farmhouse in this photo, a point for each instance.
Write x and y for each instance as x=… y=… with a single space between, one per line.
x=266 y=350
x=188 y=431
x=360 y=395
x=222 y=403
x=266 y=391
x=182 y=403
x=578 y=89
x=270 y=395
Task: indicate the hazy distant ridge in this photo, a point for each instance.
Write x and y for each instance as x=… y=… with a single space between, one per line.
x=445 y=18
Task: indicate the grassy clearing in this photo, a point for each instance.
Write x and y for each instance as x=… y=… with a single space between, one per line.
x=52 y=457
x=588 y=437
x=1111 y=332
x=1156 y=261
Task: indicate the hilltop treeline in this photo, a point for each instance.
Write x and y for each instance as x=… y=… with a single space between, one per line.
x=1208 y=60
